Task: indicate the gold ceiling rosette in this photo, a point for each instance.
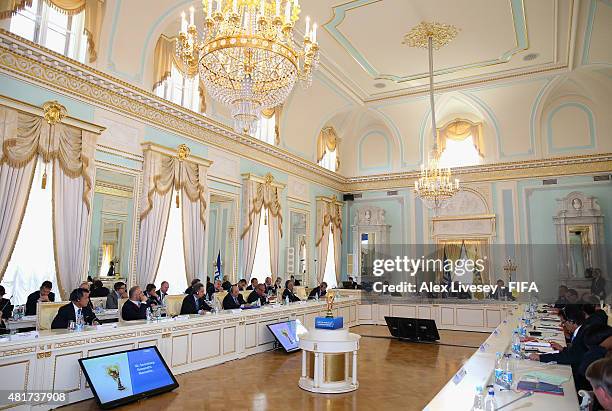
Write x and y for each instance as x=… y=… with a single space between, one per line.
x=247 y=55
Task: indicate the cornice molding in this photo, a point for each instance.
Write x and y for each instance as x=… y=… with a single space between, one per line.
x=170 y=152
x=30 y=62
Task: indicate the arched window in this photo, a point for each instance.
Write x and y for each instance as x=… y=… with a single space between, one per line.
x=327 y=149
x=460 y=143
x=172 y=261
x=180 y=90
x=49 y=27
x=266 y=129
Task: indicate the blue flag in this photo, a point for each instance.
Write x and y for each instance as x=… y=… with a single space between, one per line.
x=218 y=275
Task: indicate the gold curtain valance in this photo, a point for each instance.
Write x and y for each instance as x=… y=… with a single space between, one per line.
x=276 y=112
x=163 y=60
x=459 y=130
x=72 y=147
x=327 y=140
x=8 y=8
x=70 y=7
x=332 y=214
x=166 y=172
x=268 y=197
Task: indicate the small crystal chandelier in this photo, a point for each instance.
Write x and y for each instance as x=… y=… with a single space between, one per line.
x=435 y=186
x=247 y=57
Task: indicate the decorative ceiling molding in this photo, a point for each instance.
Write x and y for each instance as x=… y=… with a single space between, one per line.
x=30 y=62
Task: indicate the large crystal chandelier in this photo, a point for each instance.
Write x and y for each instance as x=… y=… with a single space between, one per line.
x=435 y=186
x=247 y=56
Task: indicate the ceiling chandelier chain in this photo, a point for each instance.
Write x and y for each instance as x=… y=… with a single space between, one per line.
x=435 y=185
x=247 y=56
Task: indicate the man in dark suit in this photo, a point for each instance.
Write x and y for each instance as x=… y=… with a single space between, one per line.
x=151 y=294
x=295 y=282
x=598 y=285
x=78 y=307
x=136 y=307
x=233 y=300
x=594 y=314
x=289 y=292
x=226 y=284
x=242 y=284
x=501 y=292
x=259 y=293
x=98 y=289
x=269 y=285
x=254 y=283
x=194 y=303
x=119 y=292
x=574 y=352
x=163 y=291
x=318 y=292
x=43 y=295
x=599 y=375
x=6 y=308
x=189 y=289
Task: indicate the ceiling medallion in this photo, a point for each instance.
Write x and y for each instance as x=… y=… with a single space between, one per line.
x=435 y=186
x=247 y=56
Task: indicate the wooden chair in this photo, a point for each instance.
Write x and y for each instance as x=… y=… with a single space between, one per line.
x=173 y=304
x=45 y=313
x=300 y=291
x=245 y=294
x=220 y=296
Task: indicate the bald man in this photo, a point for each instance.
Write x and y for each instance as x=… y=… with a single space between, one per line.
x=233 y=300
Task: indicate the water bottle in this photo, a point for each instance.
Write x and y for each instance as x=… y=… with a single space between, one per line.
x=287 y=300
x=317 y=297
x=499 y=370
x=508 y=372
x=479 y=399
x=149 y=314
x=490 y=404
x=516 y=343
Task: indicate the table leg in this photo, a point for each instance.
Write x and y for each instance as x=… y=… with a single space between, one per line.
x=354 y=368
x=303 y=363
x=315 y=381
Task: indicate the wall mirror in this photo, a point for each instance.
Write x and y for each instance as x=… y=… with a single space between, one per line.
x=112 y=225
x=222 y=235
x=297 y=261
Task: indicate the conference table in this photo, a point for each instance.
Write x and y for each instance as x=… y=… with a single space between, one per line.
x=478 y=371
x=48 y=360
x=29 y=321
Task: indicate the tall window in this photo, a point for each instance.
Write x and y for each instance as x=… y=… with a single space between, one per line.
x=261 y=265
x=460 y=153
x=330 y=265
x=172 y=262
x=266 y=130
x=26 y=272
x=329 y=160
x=52 y=29
x=180 y=90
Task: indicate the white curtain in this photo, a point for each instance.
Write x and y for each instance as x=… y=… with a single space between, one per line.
x=194 y=224
x=337 y=243
x=329 y=224
x=71 y=150
x=322 y=249
x=330 y=275
x=15 y=185
x=151 y=240
x=251 y=234
x=274 y=234
x=172 y=260
x=262 y=264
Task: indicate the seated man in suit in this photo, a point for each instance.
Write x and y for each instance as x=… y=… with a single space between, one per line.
x=242 y=284
x=136 y=307
x=43 y=295
x=574 y=352
x=289 y=292
x=163 y=291
x=501 y=292
x=259 y=293
x=151 y=294
x=233 y=299
x=269 y=285
x=226 y=285
x=253 y=285
x=189 y=289
x=278 y=284
x=194 y=303
x=119 y=292
x=78 y=307
x=98 y=289
x=295 y=282
x=318 y=292
x=594 y=314
x=6 y=308
x=599 y=375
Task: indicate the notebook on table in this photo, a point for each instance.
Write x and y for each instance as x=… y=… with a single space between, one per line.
x=541 y=387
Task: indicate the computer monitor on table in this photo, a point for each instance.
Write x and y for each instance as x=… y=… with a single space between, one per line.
x=413 y=329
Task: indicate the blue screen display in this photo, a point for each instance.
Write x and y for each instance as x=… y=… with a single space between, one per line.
x=121 y=375
x=288 y=333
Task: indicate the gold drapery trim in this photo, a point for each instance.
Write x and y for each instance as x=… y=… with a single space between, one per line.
x=276 y=112
x=69 y=7
x=60 y=142
x=180 y=175
x=267 y=196
x=459 y=130
x=9 y=8
x=326 y=141
x=163 y=60
x=332 y=215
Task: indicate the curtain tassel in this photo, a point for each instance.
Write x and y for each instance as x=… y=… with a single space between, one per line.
x=177 y=200
x=44 y=179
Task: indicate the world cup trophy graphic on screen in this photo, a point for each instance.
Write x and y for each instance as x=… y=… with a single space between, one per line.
x=330 y=297
x=113 y=372
x=286 y=334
